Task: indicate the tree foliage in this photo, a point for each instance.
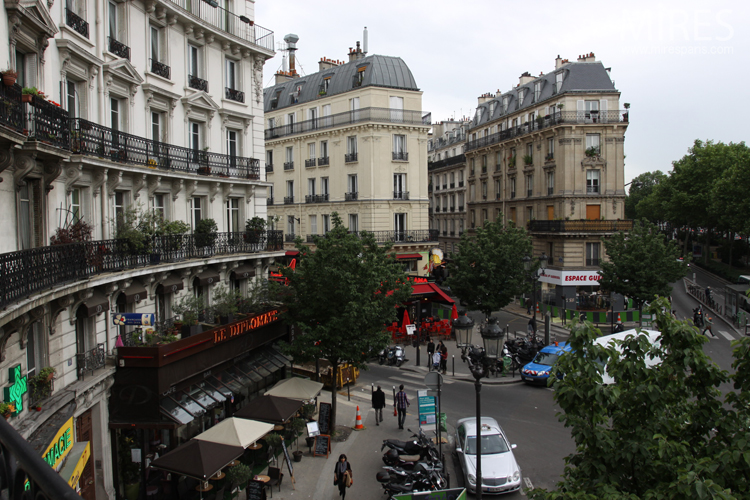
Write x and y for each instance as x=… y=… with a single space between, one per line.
x=640 y=191
x=340 y=296
x=488 y=270
x=642 y=263
x=658 y=433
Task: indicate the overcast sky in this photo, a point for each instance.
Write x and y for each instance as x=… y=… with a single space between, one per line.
x=682 y=65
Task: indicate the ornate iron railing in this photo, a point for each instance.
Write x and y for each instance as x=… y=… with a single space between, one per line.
x=310 y=163
x=76 y=22
x=91 y=139
x=316 y=198
x=582 y=226
x=289 y=238
x=288 y=165
x=197 y=83
x=220 y=18
x=234 y=95
x=351 y=196
x=417 y=236
x=11 y=108
x=402 y=156
x=350 y=157
x=161 y=69
x=269 y=201
x=323 y=161
x=269 y=167
x=21 y=462
x=378 y=115
x=119 y=48
x=48 y=123
x=447 y=162
x=560 y=117
x=288 y=200
x=401 y=195
x=28 y=271
x=91 y=360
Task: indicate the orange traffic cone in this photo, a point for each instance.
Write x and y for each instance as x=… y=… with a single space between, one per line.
x=618 y=318
x=537 y=307
x=358 y=425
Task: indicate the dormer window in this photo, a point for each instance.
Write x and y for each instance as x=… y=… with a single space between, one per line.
x=275 y=100
x=506 y=100
x=359 y=77
x=492 y=108
x=537 y=90
x=520 y=98
x=558 y=82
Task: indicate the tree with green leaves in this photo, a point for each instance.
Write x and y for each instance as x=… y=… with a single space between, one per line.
x=339 y=297
x=642 y=263
x=659 y=432
x=488 y=272
x=641 y=188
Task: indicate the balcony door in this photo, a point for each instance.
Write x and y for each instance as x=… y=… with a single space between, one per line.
x=232 y=151
x=399 y=226
x=593 y=212
x=397 y=109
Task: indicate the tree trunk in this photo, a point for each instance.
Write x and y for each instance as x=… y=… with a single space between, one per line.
x=335 y=369
x=685 y=246
x=640 y=314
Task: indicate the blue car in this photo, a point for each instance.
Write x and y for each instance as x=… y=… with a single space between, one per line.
x=537 y=372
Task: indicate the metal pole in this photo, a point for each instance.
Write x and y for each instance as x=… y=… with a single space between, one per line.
x=454 y=358
x=533 y=302
x=478 y=442
x=440 y=435
x=348 y=395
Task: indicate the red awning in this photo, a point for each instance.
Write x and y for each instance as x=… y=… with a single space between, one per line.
x=431 y=289
x=409 y=256
x=292 y=253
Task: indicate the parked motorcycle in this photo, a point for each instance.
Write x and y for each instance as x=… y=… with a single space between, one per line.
x=422 y=481
x=382 y=355
x=411 y=447
x=396 y=355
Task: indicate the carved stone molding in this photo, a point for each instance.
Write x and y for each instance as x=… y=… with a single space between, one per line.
x=249 y=194
x=113 y=181
x=177 y=186
x=24 y=164
x=593 y=162
x=139 y=180
x=100 y=178
x=213 y=190
x=6 y=160
x=52 y=170
x=56 y=307
x=72 y=174
x=226 y=191
x=154 y=183
x=190 y=187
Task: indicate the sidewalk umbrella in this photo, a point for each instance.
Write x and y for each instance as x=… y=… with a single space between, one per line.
x=236 y=432
x=198 y=459
x=296 y=388
x=406 y=321
x=270 y=409
x=454 y=313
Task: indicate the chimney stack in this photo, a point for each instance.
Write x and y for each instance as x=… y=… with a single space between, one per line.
x=525 y=78
x=590 y=57
x=326 y=63
x=356 y=54
x=558 y=62
x=485 y=97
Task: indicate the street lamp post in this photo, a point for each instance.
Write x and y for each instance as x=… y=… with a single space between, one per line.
x=492 y=337
x=478 y=372
x=534 y=276
x=463 y=326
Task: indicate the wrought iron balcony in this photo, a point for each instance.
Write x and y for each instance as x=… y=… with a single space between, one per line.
x=234 y=95
x=550 y=191
x=316 y=198
x=460 y=184
x=445 y=209
x=460 y=208
x=11 y=107
x=118 y=48
x=401 y=195
x=377 y=115
x=288 y=200
x=453 y=209
x=28 y=271
x=161 y=69
x=445 y=186
x=592 y=189
x=323 y=161
x=310 y=163
x=226 y=21
x=446 y=162
x=414 y=236
x=269 y=201
x=529 y=193
x=401 y=156
x=48 y=123
x=91 y=139
x=580 y=226
x=452 y=185
x=269 y=167
x=91 y=360
x=289 y=238
x=76 y=22
x=351 y=196
x=350 y=157
x=289 y=165
x=197 y=83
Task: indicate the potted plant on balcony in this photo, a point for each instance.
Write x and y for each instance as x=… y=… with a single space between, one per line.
x=512 y=162
x=528 y=159
x=189 y=307
x=27 y=93
x=627 y=112
x=7 y=409
x=254 y=229
x=9 y=77
x=205 y=233
x=225 y=303
x=592 y=151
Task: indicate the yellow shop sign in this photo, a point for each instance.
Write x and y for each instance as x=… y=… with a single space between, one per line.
x=60 y=446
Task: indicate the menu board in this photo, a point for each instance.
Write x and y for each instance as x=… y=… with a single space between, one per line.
x=256 y=490
x=286 y=456
x=322 y=446
x=324 y=418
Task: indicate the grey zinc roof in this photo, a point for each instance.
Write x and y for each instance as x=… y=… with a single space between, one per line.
x=578 y=77
x=381 y=71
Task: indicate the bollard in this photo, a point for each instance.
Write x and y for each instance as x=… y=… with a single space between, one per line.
x=348 y=395
x=454 y=364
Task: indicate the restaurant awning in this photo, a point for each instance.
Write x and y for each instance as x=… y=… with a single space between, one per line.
x=270 y=409
x=207 y=277
x=96 y=304
x=296 y=388
x=236 y=432
x=198 y=459
x=135 y=293
x=292 y=253
x=431 y=291
x=170 y=285
x=409 y=256
x=245 y=271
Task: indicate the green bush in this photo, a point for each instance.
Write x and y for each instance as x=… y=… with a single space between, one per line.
x=205 y=233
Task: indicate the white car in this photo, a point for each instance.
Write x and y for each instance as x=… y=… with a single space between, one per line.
x=500 y=471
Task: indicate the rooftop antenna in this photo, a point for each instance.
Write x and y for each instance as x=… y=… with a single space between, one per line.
x=291 y=47
x=364 y=41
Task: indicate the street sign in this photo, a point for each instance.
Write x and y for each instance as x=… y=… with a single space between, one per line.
x=433 y=380
x=426 y=408
x=410 y=329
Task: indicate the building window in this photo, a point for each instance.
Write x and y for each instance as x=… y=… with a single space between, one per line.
x=156 y=126
x=113 y=31
x=352 y=183
x=324 y=149
x=232 y=147
x=196 y=210
x=592 y=143
x=35 y=343
x=313 y=224
x=269 y=159
x=29 y=217
x=592 y=181
x=512 y=181
x=537 y=91
x=120 y=205
x=231 y=74
x=351 y=145
x=484 y=190
x=290 y=119
x=498 y=189
x=75 y=205
x=471 y=167
x=530 y=151
x=159 y=207
x=194 y=60
x=399 y=226
x=473 y=219
x=399 y=147
x=290 y=189
x=353 y=223
x=472 y=192
x=290 y=229
x=592 y=254
x=72 y=98
x=311 y=151
x=324 y=187
x=115 y=118
x=529 y=213
x=289 y=163
x=311 y=186
x=558 y=82
x=194 y=139
x=233 y=215
x=550 y=148
x=530 y=185
x=326 y=220
x=399 y=187
x=550 y=182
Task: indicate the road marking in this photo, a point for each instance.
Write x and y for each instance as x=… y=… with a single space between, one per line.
x=421 y=377
x=528 y=483
x=726 y=335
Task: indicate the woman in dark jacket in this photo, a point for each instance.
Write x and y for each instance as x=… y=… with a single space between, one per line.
x=339 y=472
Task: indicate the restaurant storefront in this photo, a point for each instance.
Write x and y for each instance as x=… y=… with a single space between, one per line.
x=164 y=395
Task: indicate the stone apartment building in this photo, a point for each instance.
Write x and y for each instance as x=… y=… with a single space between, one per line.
x=549 y=155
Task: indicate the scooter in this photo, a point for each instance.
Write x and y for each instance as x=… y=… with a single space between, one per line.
x=411 y=447
x=396 y=355
x=382 y=355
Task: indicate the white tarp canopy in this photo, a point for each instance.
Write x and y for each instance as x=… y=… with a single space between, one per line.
x=236 y=432
x=296 y=388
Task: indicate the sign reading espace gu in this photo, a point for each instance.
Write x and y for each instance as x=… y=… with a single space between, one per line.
x=571 y=278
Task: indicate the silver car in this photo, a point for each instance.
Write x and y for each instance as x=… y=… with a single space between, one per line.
x=500 y=471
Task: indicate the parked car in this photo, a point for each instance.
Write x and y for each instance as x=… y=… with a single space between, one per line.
x=537 y=372
x=611 y=341
x=500 y=471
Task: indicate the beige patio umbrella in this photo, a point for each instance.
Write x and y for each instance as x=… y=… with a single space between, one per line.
x=296 y=388
x=236 y=432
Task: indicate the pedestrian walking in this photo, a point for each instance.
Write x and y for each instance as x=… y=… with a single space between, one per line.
x=430 y=350
x=402 y=402
x=378 y=403
x=342 y=475
x=444 y=359
x=708 y=328
x=532 y=326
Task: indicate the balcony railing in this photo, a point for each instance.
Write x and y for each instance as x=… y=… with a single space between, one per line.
x=118 y=48
x=529 y=193
x=288 y=200
x=452 y=185
x=91 y=139
x=445 y=209
x=197 y=83
x=453 y=160
x=460 y=184
x=460 y=208
x=401 y=195
x=310 y=163
x=224 y=20
x=417 y=236
x=269 y=167
x=76 y=22
x=580 y=226
x=48 y=123
x=378 y=115
x=234 y=94
x=550 y=191
x=289 y=238
x=453 y=209
x=592 y=189
x=351 y=196
x=350 y=157
x=28 y=271
x=90 y=361
x=323 y=161
x=316 y=198
x=161 y=69
x=269 y=201
x=288 y=165
x=560 y=117
x=401 y=156
x=11 y=108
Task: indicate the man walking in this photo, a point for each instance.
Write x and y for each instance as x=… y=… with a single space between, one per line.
x=430 y=351
x=402 y=402
x=378 y=402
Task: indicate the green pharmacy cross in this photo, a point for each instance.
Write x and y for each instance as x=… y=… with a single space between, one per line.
x=17 y=388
